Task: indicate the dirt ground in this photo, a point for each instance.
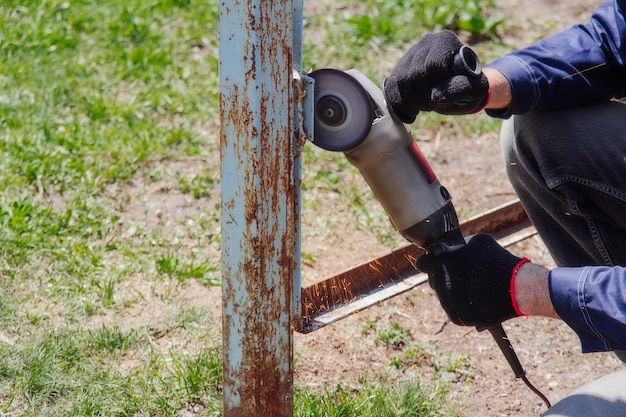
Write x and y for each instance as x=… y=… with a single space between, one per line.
x=473 y=171
x=345 y=352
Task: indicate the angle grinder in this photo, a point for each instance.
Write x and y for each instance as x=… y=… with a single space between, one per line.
x=351 y=116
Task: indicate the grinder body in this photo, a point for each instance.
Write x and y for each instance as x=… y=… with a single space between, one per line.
x=387 y=156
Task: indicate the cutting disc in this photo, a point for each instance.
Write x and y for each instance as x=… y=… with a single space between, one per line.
x=343 y=110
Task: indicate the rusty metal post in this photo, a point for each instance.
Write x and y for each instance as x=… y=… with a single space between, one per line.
x=260 y=204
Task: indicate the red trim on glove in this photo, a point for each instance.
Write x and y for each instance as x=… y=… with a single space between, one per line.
x=512 y=290
x=484 y=106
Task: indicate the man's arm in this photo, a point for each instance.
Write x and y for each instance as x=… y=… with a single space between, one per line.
x=582 y=65
x=592 y=301
x=482 y=284
x=499 y=90
x=532 y=291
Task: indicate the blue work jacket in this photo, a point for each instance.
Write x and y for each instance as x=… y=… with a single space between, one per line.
x=592 y=301
x=582 y=65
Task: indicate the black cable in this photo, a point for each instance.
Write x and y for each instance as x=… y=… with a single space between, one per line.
x=504 y=343
x=536 y=391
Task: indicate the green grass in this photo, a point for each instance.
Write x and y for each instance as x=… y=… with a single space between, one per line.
x=109 y=200
x=374 y=399
x=69 y=372
x=95 y=99
x=361 y=34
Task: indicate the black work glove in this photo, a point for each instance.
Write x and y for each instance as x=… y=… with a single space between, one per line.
x=474 y=282
x=424 y=80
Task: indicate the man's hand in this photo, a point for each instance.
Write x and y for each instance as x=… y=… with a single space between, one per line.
x=424 y=80
x=474 y=283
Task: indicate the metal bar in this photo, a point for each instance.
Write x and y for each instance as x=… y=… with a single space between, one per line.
x=260 y=205
x=395 y=273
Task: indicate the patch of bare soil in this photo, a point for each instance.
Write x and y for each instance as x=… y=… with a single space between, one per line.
x=472 y=169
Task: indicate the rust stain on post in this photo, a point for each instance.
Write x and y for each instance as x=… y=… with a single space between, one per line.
x=259 y=206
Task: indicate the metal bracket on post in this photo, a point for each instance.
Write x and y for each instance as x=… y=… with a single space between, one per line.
x=305 y=118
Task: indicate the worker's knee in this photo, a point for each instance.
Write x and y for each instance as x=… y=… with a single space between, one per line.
x=518 y=137
x=536 y=136
x=551 y=146
x=570 y=143
x=605 y=397
x=507 y=141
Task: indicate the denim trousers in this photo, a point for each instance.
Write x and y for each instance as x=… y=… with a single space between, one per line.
x=569 y=170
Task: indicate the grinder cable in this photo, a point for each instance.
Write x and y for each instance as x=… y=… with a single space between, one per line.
x=505 y=346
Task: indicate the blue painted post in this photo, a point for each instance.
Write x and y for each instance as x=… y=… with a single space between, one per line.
x=260 y=169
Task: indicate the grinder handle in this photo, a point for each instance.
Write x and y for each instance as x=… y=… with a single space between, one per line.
x=466 y=62
x=452 y=241
x=503 y=342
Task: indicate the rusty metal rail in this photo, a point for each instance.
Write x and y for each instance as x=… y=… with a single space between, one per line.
x=382 y=278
